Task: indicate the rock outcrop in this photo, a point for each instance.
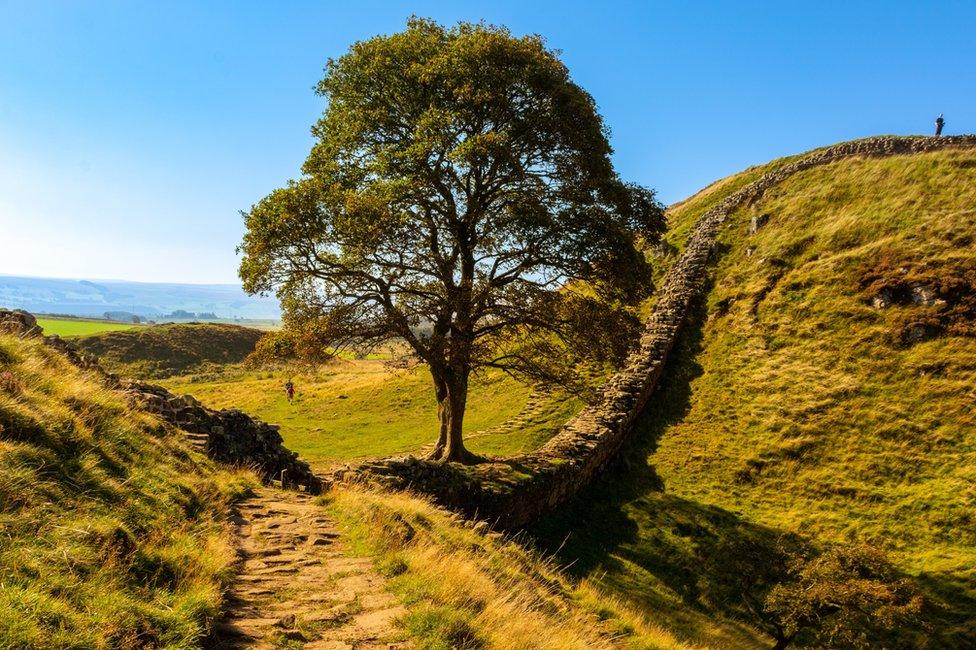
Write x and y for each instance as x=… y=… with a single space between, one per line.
x=228 y=436
x=757 y=222
x=511 y=492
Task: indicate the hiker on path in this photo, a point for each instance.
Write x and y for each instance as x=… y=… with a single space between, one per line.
x=290 y=390
x=939 y=123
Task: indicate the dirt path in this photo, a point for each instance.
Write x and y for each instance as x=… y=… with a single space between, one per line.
x=297 y=588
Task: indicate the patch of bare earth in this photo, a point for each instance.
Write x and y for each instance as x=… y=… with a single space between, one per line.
x=297 y=588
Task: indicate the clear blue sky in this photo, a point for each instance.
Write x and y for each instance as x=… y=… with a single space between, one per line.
x=132 y=133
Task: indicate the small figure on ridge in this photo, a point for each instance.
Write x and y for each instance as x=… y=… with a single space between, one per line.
x=939 y=123
x=290 y=390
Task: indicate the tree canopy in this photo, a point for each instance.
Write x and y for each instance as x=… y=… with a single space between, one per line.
x=459 y=196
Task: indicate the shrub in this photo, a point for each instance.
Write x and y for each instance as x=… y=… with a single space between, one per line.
x=841 y=598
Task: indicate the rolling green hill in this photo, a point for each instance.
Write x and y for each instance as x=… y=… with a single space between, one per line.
x=113 y=531
x=165 y=350
x=823 y=395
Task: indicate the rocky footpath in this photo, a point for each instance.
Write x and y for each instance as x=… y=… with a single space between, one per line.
x=298 y=585
x=228 y=436
x=511 y=492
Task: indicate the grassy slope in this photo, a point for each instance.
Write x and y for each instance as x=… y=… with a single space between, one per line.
x=352 y=409
x=466 y=589
x=165 y=350
x=859 y=437
x=792 y=408
x=112 y=532
x=77 y=327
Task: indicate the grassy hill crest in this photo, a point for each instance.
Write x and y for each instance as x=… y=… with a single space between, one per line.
x=822 y=389
x=164 y=350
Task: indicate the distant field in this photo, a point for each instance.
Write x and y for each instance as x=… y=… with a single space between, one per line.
x=354 y=409
x=78 y=327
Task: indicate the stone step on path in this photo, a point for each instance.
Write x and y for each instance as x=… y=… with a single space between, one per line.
x=534 y=407
x=297 y=587
x=198 y=441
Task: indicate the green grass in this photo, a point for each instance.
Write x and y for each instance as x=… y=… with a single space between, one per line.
x=683 y=215
x=855 y=437
x=359 y=408
x=465 y=588
x=793 y=407
x=69 y=327
x=113 y=532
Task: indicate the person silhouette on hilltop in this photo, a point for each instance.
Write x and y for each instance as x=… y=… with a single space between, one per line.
x=939 y=123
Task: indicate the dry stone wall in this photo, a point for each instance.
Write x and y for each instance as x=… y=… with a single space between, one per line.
x=228 y=436
x=511 y=492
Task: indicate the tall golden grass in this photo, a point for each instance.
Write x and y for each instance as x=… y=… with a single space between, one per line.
x=111 y=531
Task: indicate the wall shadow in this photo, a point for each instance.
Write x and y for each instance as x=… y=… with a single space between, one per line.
x=691 y=564
x=665 y=553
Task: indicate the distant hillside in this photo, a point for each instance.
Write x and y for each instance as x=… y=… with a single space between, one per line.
x=149 y=300
x=823 y=394
x=166 y=350
x=113 y=530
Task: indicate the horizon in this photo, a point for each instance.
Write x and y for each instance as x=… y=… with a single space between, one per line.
x=93 y=297
x=187 y=114
x=236 y=285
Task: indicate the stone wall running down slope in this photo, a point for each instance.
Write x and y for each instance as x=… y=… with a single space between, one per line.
x=228 y=436
x=512 y=492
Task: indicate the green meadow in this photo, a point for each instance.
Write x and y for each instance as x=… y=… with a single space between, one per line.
x=78 y=327
x=351 y=409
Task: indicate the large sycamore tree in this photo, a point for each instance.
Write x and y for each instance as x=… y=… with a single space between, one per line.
x=459 y=188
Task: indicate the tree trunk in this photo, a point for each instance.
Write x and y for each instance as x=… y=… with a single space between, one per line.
x=440 y=392
x=452 y=423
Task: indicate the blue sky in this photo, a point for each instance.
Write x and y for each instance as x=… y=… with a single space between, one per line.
x=132 y=133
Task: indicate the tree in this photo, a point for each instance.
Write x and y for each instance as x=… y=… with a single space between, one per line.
x=460 y=190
